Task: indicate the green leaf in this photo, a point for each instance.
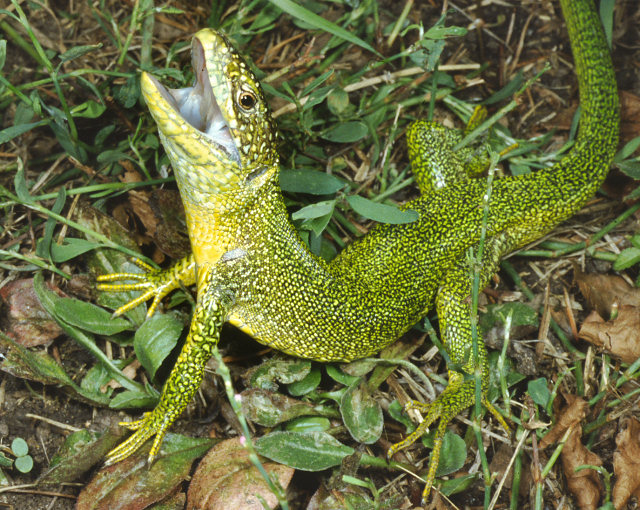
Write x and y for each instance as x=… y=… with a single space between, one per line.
x=627 y=258
x=89 y=109
x=338 y=375
x=279 y=370
x=24 y=464
x=129 y=93
x=19 y=447
x=305 y=15
x=3 y=52
x=309 y=424
x=89 y=317
x=78 y=51
x=133 y=400
x=452 y=455
x=306 y=385
x=155 y=339
x=362 y=413
x=628 y=149
x=458 y=484
x=316 y=210
x=381 y=213
x=311 y=182
x=20 y=185
x=71 y=247
x=268 y=408
x=539 y=391
x=442 y=32
x=630 y=168
x=307 y=451
x=606 y=15
x=11 y=132
x=346 y=132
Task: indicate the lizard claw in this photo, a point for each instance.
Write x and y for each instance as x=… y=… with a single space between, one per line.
x=144 y=428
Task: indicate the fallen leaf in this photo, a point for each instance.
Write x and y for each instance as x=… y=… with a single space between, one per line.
x=605 y=293
x=585 y=484
x=620 y=337
x=626 y=463
x=26 y=320
x=132 y=484
x=571 y=415
x=226 y=479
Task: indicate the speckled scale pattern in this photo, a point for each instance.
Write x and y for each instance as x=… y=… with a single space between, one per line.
x=379 y=286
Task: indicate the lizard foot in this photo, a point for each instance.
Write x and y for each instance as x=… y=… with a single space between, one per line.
x=454 y=399
x=155 y=283
x=150 y=425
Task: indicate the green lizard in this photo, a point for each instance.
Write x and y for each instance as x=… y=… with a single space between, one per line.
x=253 y=270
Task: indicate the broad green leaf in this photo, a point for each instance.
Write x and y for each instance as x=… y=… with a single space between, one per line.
x=306 y=385
x=311 y=182
x=336 y=373
x=155 y=339
x=268 y=408
x=89 y=317
x=316 y=210
x=3 y=52
x=24 y=464
x=298 y=11
x=132 y=400
x=346 y=132
x=19 y=447
x=71 y=247
x=279 y=370
x=381 y=213
x=89 y=109
x=307 y=451
x=309 y=424
x=539 y=391
x=458 y=484
x=11 y=132
x=362 y=413
x=452 y=455
x=627 y=258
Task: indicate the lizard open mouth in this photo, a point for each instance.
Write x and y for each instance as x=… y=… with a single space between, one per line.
x=197 y=104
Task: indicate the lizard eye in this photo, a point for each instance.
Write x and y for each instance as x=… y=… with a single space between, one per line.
x=247 y=100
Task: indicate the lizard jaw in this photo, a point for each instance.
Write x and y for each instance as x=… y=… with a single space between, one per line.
x=197 y=105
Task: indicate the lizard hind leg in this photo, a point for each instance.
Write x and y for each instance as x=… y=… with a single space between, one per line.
x=434 y=160
x=467 y=356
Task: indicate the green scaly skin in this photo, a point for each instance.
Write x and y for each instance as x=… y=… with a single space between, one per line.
x=253 y=270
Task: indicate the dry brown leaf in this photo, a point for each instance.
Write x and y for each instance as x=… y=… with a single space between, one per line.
x=620 y=337
x=585 y=485
x=604 y=292
x=626 y=463
x=26 y=321
x=227 y=479
x=571 y=415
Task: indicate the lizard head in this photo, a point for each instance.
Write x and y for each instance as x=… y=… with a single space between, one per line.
x=218 y=133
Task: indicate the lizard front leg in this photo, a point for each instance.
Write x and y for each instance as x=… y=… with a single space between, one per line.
x=155 y=283
x=185 y=378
